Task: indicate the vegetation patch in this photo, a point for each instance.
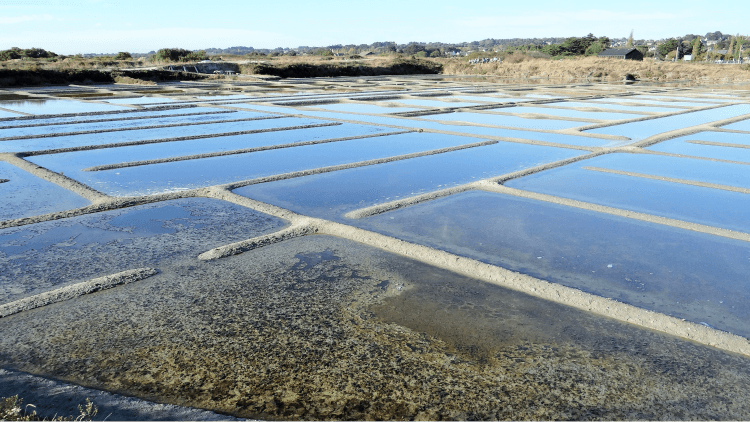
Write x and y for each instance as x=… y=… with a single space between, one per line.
x=12 y=409
x=399 y=66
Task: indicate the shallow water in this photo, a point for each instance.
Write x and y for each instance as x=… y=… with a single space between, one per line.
x=175 y=176
x=568 y=113
x=683 y=146
x=713 y=207
x=45 y=256
x=487 y=99
x=57 y=106
x=742 y=125
x=140 y=100
x=4 y=113
x=330 y=195
x=477 y=130
x=436 y=103
x=70 y=141
x=115 y=116
x=508 y=121
x=690 y=275
x=104 y=126
x=324 y=328
x=642 y=130
x=25 y=195
x=612 y=106
x=653 y=102
x=363 y=108
x=73 y=162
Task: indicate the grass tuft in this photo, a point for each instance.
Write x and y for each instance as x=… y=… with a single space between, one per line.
x=12 y=409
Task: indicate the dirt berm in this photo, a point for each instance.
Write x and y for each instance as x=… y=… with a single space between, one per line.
x=18 y=77
x=315 y=70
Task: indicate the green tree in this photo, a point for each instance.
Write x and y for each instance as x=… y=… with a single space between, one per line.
x=123 y=55
x=730 y=49
x=667 y=47
x=629 y=44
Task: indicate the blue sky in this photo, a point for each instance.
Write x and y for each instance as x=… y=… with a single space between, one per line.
x=101 y=26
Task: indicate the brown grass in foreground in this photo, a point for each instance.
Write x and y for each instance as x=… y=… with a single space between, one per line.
x=519 y=66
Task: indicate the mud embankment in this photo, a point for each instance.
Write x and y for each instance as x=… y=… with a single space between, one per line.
x=317 y=70
x=18 y=77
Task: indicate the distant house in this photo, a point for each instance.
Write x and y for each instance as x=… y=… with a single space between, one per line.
x=622 y=53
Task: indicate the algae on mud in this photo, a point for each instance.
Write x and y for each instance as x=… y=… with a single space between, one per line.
x=324 y=328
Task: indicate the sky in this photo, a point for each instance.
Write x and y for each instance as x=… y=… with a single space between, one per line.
x=139 y=26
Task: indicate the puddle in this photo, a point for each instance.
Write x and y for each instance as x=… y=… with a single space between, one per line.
x=435 y=103
x=25 y=195
x=677 y=272
x=641 y=130
x=683 y=145
x=73 y=162
x=46 y=256
x=330 y=195
x=499 y=120
x=713 y=207
x=220 y=97
x=117 y=124
x=363 y=108
x=568 y=113
x=743 y=125
x=57 y=106
x=305 y=330
x=71 y=141
x=174 y=176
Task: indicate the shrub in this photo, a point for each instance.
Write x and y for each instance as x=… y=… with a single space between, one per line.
x=123 y=55
x=179 y=55
x=29 y=53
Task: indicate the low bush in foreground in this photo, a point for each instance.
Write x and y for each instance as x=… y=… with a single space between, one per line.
x=12 y=409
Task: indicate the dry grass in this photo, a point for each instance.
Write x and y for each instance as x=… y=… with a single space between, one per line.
x=516 y=66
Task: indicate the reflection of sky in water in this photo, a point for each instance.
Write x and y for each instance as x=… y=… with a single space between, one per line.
x=72 y=162
x=140 y=100
x=648 y=128
x=172 y=119
x=134 y=113
x=58 y=106
x=498 y=120
x=47 y=255
x=690 y=275
x=477 y=130
x=363 y=108
x=713 y=207
x=174 y=176
x=330 y=195
x=25 y=195
x=435 y=103
x=681 y=146
x=613 y=106
x=69 y=141
x=742 y=125
x=569 y=113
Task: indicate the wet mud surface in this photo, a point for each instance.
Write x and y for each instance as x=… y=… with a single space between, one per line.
x=23 y=195
x=322 y=328
x=695 y=276
x=44 y=256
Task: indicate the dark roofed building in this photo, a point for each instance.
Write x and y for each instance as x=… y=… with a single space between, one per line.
x=622 y=53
